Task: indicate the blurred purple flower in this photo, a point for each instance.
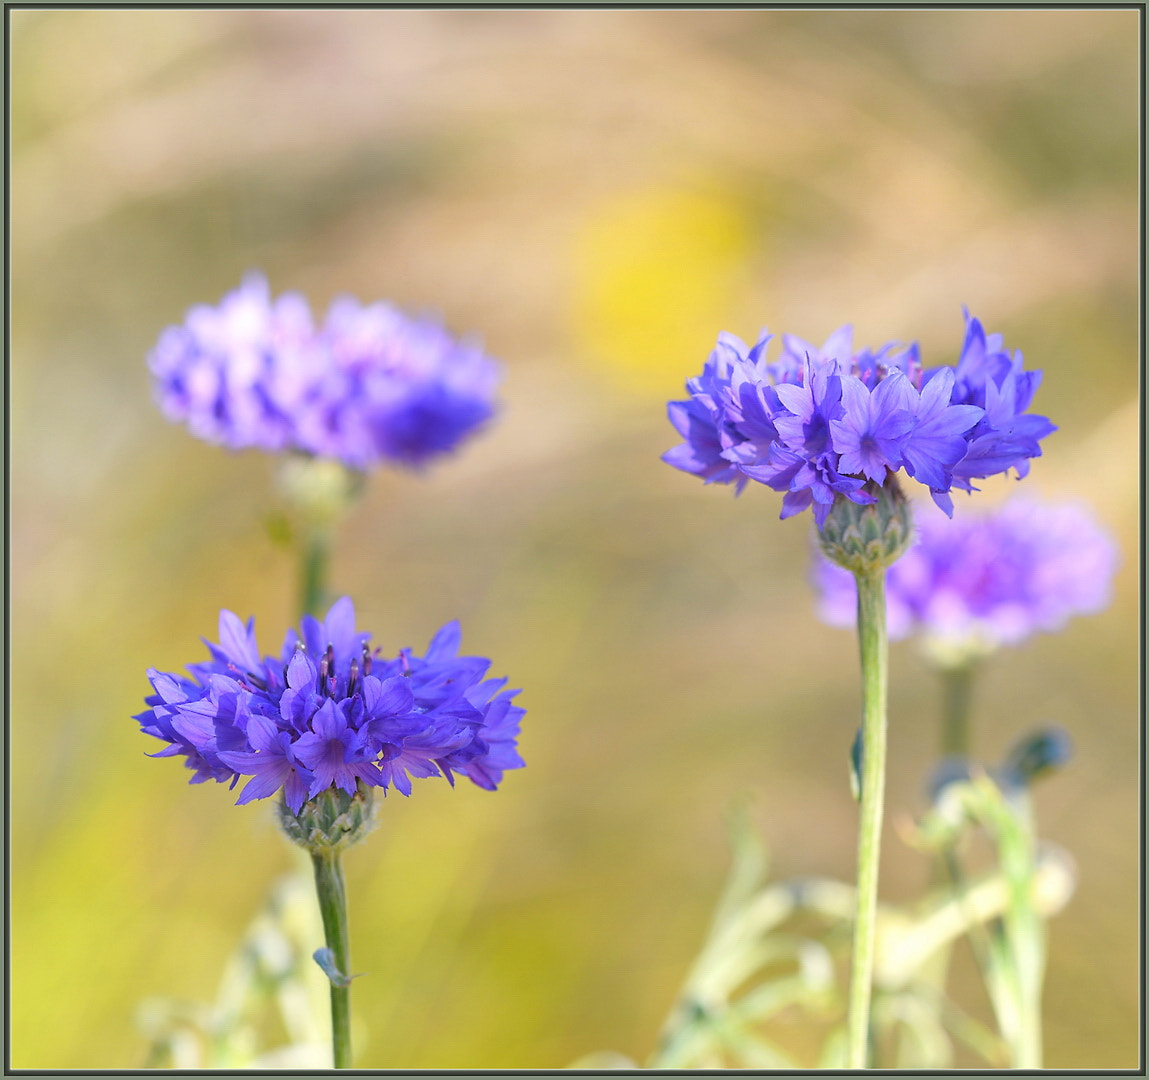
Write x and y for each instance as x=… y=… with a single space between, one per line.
x=973 y=584
x=369 y=385
x=329 y=712
x=829 y=422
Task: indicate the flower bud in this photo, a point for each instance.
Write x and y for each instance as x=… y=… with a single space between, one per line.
x=332 y=821
x=1034 y=755
x=317 y=489
x=868 y=537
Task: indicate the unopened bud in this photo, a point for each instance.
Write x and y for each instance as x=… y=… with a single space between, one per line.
x=864 y=538
x=332 y=821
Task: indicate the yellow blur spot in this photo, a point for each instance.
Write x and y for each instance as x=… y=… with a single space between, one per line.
x=658 y=274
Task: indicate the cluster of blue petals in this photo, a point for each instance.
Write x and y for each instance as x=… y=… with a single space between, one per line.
x=330 y=712
x=370 y=384
x=988 y=579
x=822 y=423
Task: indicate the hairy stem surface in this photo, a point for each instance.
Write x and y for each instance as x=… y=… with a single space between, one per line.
x=333 y=908
x=872 y=642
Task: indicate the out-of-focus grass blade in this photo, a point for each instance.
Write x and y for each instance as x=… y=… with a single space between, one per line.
x=750 y=863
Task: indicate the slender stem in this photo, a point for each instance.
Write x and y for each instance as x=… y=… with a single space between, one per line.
x=333 y=908
x=945 y=869
x=957 y=684
x=1024 y=931
x=313 y=569
x=872 y=641
x=957 y=687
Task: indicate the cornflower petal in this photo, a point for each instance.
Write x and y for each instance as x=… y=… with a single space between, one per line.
x=387 y=697
x=871 y=434
x=445 y=644
x=238 y=642
x=339 y=625
x=267 y=782
x=301 y=672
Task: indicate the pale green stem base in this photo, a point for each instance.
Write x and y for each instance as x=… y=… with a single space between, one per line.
x=333 y=908
x=1024 y=932
x=957 y=686
x=872 y=641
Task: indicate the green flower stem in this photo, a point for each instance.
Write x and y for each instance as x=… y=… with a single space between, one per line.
x=872 y=641
x=333 y=908
x=318 y=492
x=957 y=687
x=1024 y=932
x=957 y=684
x=316 y=549
x=1012 y=963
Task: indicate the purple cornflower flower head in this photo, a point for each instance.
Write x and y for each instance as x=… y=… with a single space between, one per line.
x=976 y=583
x=873 y=432
x=368 y=385
x=237 y=373
x=329 y=712
x=821 y=424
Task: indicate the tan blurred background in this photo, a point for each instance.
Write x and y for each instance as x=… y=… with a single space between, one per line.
x=597 y=194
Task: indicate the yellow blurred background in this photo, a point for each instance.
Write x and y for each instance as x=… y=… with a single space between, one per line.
x=596 y=194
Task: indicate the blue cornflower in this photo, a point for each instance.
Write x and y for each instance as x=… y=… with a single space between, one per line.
x=871 y=437
x=331 y=713
x=976 y=583
x=937 y=441
x=821 y=424
x=336 y=752
x=1006 y=436
x=272 y=764
x=370 y=384
x=803 y=422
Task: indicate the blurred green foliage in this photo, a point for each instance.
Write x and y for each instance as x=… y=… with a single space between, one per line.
x=777 y=954
x=271 y=1010
x=519 y=171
